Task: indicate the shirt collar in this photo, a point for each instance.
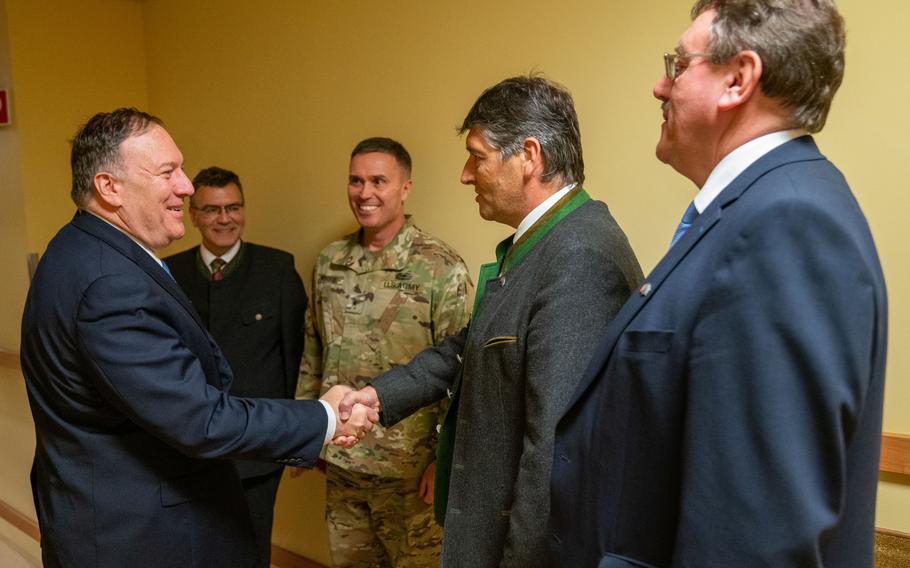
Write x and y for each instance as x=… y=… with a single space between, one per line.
x=208 y=256
x=539 y=211
x=738 y=160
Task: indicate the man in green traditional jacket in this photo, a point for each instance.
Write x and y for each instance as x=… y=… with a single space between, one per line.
x=539 y=309
x=380 y=296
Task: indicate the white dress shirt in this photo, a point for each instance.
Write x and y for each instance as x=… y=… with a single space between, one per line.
x=539 y=211
x=208 y=256
x=737 y=161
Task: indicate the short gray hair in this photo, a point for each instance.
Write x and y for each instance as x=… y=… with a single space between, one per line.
x=96 y=146
x=801 y=45
x=531 y=107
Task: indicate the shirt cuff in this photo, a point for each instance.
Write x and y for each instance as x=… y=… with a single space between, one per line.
x=330 y=426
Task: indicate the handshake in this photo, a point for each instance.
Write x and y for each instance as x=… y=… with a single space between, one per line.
x=355 y=413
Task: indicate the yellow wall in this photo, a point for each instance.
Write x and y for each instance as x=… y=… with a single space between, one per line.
x=70 y=60
x=282 y=93
x=12 y=213
x=866 y=138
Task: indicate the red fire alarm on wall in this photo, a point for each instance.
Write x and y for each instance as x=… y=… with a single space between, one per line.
x=4 y=107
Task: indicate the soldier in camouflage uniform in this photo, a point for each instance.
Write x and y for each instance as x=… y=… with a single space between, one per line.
x=380 y=296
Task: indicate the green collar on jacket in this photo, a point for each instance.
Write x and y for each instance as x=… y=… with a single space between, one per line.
x=509 y=254
x=228 y=269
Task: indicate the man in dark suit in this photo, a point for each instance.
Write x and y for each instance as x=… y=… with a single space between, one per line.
x=252 y=301
x=126 y=387
x=537 y=311
x=731 y=413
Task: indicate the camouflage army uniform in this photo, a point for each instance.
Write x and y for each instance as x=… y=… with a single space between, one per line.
x=369 y=311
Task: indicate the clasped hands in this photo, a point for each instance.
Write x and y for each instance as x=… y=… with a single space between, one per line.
x=355 y=413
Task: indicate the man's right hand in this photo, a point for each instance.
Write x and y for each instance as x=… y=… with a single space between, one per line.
x=355 y=422
x=366 y=396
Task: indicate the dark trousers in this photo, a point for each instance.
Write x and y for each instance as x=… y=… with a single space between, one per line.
x=260 y=493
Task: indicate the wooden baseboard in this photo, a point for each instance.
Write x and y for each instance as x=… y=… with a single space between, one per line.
x=895 y=534
x=283 y=558
x=280 y=557
x=19 y=520
x=9 y=359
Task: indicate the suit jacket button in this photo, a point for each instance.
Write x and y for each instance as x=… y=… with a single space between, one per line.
x=258 y=317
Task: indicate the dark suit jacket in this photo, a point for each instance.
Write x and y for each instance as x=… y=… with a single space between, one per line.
x=523 y=355
x=128 y=394
x=255 y=313
x=731 y=415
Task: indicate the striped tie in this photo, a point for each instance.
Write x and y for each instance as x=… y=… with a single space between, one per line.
x=217 y=268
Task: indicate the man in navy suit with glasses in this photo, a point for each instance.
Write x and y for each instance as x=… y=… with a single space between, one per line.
x=731 y=415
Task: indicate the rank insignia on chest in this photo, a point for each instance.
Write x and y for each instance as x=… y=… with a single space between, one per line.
x=356 y=303
x=354 y=308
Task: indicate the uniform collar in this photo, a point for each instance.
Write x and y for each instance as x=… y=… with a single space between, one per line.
x=393 y=256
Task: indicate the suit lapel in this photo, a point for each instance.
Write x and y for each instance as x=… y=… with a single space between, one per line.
x=129 y=249
x=800 y=149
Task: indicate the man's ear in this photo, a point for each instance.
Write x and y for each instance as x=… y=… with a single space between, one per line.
x=532 y=157
x=108 y=189
x=406 y=190
x=741 y=80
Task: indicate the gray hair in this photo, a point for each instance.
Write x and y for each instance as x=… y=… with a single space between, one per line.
x=531 y=107
x=96 y=146
x=801 y=45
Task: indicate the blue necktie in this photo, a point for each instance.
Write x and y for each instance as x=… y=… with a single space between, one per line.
x=687 y=219
x=168 y=270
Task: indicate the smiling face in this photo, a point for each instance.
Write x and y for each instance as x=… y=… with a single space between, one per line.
x=377 y=189
x=150 y=186
x=498 y=183
x=219 y=215
x=689 y=104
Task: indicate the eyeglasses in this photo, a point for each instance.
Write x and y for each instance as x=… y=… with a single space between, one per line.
x=676 y=63
x=215 y=210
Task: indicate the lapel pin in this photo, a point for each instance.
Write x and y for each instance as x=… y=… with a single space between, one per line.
x=645 y=289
